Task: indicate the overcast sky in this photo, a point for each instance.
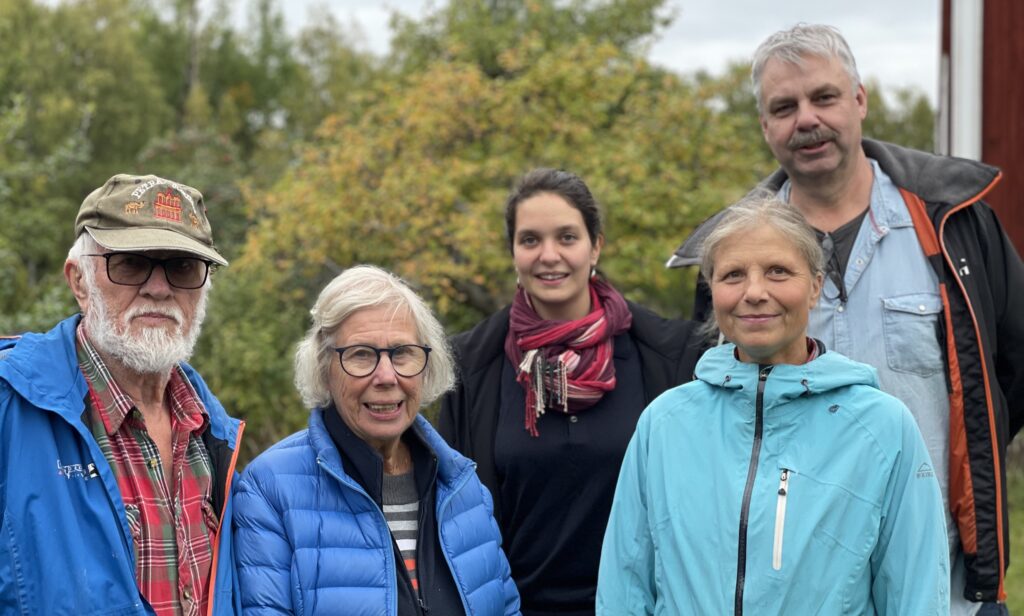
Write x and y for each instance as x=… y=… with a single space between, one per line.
x=894 y=41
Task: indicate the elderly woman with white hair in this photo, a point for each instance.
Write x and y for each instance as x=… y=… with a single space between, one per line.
x=368 y=511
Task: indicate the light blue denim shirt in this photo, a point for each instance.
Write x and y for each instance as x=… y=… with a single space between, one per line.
x=890 y=321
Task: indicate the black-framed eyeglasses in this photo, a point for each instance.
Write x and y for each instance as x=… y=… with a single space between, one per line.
x=361 y=360
x=832 y=269
x=133 y=269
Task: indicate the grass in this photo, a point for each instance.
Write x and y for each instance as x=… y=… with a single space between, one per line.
x=1015 y=574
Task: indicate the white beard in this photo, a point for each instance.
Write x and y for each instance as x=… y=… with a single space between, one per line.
x=153 y=350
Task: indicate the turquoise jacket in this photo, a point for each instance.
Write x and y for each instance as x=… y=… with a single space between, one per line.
x=65 y=543
x=776 y=490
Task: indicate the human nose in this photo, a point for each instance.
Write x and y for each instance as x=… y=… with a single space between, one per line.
x=807 y=116
x=157 y=285
x=755 y=290
x=549 y=252
x=384 y=374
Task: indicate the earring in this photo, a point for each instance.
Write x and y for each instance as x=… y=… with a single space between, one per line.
x=593 y=272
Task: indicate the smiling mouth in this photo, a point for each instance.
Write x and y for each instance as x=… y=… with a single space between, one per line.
x=383 y=408
x=757 y=318
x=552 y=276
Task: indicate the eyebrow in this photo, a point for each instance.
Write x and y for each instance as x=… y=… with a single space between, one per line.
x=827 y=88
x=573 y=227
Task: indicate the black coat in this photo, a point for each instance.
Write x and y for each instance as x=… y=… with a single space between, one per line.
x=668 y=351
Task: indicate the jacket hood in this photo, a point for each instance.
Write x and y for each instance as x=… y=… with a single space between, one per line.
x=942 y=180
x=43 y=369
x=719 y=368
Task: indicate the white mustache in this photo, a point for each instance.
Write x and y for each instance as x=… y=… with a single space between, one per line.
x=165 y=311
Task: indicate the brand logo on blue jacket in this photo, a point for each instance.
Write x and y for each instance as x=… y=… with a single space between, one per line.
x=69 y=471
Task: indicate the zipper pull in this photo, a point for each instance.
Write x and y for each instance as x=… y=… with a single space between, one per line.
x=780 y=520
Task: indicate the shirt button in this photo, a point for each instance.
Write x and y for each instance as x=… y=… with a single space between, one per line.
x=573 y=418
x=921 y=308
x=860 y=261
x=188 y=594
x=841 y=308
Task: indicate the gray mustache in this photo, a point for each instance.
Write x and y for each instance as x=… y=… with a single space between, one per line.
x=817 y=135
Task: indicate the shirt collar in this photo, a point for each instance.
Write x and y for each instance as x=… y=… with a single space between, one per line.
x=113 y=405
x=888 y=211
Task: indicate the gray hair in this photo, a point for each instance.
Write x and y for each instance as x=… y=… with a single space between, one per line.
x=759 y=209
x=798 y=42
x=355 y=289
x=84 y=245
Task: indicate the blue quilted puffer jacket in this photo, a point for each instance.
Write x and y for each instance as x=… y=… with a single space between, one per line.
x=310 y=540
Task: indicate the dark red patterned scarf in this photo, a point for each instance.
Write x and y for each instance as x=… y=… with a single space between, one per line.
x=566 y=366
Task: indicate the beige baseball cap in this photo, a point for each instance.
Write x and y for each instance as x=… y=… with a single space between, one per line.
x=146 y=212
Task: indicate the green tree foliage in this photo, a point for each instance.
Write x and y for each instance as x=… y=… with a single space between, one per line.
x=76 y=101
x=314 y=155
x=902 y=116
x=480 y=31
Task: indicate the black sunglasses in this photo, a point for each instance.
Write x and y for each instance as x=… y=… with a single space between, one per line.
x=133 y=269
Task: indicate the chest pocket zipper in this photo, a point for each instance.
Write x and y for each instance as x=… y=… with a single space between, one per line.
x=780 y=519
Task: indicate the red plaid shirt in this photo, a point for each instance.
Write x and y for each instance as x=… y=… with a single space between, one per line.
x=172 y=534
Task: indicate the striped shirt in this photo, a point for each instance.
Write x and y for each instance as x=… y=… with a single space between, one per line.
x=401 y=510
x=172 y=533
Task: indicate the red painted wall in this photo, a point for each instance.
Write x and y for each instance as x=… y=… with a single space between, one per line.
x=1003 y=110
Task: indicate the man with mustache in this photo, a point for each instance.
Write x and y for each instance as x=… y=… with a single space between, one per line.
x=921 y=283
x=115 y=459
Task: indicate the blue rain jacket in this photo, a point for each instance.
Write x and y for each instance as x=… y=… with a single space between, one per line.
x=789 y=490
x=65 y=543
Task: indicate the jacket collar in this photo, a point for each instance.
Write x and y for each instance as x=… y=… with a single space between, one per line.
x=720 y=369
x=935 y=179
x=364 y=464
x=428 y=447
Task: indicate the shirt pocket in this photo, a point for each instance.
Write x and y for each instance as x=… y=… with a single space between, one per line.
x=911 y=326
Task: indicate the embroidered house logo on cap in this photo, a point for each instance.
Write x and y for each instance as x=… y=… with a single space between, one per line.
x=167 y=206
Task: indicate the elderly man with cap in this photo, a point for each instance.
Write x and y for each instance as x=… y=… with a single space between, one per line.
x=115 y=459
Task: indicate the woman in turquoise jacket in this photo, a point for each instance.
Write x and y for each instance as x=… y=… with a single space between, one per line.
x=782 y=480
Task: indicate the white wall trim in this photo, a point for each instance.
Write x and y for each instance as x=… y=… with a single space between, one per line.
x=966 y=34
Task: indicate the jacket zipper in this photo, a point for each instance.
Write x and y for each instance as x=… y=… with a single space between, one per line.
x=212 y=590
x=741 y=561
x=780 y=519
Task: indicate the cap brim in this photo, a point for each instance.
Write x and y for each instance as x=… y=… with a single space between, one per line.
x=138 y=238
